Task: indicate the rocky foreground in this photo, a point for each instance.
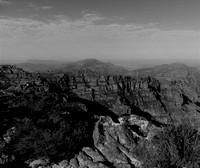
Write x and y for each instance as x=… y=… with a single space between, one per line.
x=87 y=119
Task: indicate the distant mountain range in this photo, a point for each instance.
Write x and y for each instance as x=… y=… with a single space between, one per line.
x=87 y=64
x=165 y=70
x=171 y=72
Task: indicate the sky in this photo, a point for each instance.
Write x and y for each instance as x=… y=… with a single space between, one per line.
x=101 y=29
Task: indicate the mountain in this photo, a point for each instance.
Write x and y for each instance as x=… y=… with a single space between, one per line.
x=172 y=72
x=36 y=65
x=87 y=64
x=83 y=118
x=165 y=70
x=37 y=61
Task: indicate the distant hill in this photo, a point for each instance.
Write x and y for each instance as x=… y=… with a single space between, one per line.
x=36 y=65
x=95 y=65
x=172 y=72
x=37 y=61
x=165 y=71
x=87 y=64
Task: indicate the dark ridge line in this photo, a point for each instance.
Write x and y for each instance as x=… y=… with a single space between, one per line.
x=186 y=100
x=158 y=97
x=95 y=108
x=137 y=111
x=197 y=103
x=136 y=129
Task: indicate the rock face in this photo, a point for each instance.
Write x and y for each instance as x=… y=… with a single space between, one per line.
x=127 y=110
x=163 y=100
x=115 y=145
x=11 y=76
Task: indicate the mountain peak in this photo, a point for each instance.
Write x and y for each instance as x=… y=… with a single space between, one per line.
x=91 y=61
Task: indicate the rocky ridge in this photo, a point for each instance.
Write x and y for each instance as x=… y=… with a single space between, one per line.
x=148 y=97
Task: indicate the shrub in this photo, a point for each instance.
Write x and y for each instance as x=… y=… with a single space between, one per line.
x=174 y=147
x=56 y=141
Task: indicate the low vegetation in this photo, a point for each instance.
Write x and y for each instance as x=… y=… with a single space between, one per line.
x=56 y=140
x=46 y=126
x=173 y=147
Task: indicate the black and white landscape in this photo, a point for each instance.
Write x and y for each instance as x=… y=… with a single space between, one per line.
x=99 y=84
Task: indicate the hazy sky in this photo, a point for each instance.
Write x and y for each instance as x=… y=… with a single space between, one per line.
x=106 y=29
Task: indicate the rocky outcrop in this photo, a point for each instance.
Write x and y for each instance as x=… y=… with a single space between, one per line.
x=114 y=145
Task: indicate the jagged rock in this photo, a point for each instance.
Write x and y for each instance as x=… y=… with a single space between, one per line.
x=94 y=155
x=74 y=163
x=117 y=144
x=37 y=163
x=114 y=145
x=64 y=164
x=55 y=166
